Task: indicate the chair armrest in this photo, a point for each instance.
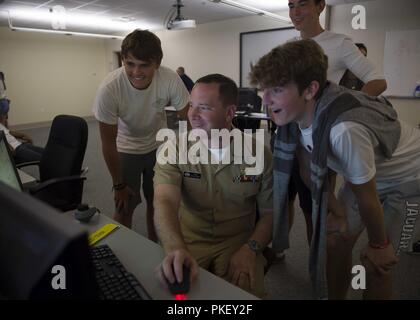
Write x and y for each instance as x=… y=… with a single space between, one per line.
x=51 y=182
x=26 y=164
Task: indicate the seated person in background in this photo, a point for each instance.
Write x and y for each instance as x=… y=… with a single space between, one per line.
x=24 y=150
x=189 y=84
x=349 y=80
x=205 y=213
x=2 y=86
x=359 y=137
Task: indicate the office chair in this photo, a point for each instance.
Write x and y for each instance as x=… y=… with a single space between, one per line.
x=60 y=168
x=248 y=101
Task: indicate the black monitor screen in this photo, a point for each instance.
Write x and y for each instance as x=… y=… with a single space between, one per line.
x=33 y=239
x=248 y=97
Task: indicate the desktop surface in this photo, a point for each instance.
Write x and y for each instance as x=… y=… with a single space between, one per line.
x=25 y=178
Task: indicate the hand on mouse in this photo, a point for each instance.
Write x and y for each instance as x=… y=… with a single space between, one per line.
x=171 y=268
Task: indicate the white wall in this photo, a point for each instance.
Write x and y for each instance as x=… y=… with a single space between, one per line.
x=382 y=16
x=50 y=74
x=112 y=46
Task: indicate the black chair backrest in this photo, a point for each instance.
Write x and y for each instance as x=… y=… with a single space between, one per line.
x=65 y=149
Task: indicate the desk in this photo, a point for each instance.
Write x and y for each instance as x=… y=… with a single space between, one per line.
x=140 y=256
x=256 y=116
x=252 y=115
x=25 y=178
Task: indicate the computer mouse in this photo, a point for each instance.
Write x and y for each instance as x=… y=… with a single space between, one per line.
x=180 y=287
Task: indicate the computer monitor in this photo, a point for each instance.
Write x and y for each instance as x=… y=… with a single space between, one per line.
x=248 y=102
x=8 y=172
x=248 y=97
x=33 y=239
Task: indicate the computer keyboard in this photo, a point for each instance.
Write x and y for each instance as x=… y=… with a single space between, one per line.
x=114 y=281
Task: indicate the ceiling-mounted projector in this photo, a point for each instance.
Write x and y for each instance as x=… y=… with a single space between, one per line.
x=179 y=22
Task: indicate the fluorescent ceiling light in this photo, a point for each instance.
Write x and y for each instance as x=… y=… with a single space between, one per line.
x=76 y=20
x=269 y=5
x=43 y=17
x=253 y=10
x=68 y=33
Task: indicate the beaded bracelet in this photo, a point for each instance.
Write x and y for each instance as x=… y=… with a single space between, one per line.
x=380 y=246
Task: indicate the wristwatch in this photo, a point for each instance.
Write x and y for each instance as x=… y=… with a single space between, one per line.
x=254 y=246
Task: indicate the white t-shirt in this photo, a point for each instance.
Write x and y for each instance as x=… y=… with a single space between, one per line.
x=360 y=164
x=306 y=138
x=140 y=114
x=343 y=54
x=14 y=143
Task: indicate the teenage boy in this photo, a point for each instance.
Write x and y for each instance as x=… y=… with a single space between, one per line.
x=355 y=135
x=130 y=107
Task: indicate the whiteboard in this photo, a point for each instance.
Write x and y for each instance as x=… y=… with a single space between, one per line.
x=402 y=62
x=253 y=45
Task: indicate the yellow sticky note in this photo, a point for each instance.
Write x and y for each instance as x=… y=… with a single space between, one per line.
x=102 y=233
